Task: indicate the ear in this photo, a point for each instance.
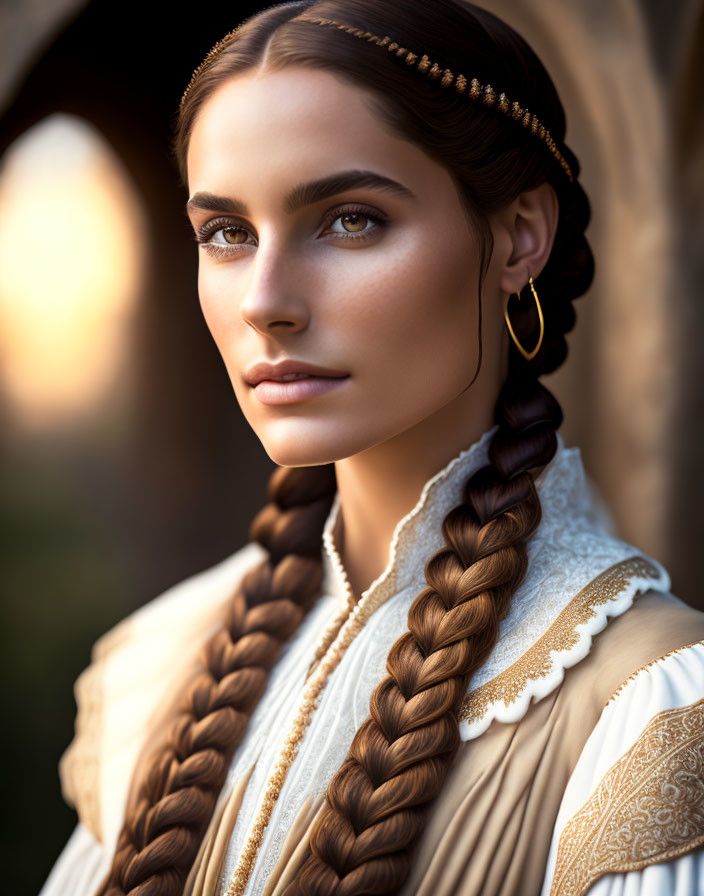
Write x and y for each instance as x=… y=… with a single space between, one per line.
x=530 y=222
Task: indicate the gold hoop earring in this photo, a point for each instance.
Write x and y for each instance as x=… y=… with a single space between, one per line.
x=527 y=355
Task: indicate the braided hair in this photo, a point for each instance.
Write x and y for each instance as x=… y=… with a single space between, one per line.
x=376 y=804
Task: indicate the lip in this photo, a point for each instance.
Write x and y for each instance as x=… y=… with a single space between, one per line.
x=270 y=372
x=295 y=391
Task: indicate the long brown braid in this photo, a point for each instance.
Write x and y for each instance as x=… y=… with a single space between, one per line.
x=159 y=841
x=377 y=802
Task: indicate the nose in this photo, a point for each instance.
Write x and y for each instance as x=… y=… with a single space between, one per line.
x=273 y=297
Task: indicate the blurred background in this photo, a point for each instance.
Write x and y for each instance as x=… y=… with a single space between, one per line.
x=126 y=464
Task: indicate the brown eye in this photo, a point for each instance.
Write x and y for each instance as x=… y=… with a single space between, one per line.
x=354 y=222
x=234 y=235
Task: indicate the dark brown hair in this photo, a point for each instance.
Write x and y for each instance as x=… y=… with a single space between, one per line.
x=398 y=760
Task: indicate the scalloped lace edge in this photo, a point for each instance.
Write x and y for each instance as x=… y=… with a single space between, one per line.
x=541 y=668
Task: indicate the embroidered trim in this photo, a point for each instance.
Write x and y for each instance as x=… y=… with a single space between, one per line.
x=647 y=665
x=329 y=635
x=358 y=617
x=648 y=808
x=537 y=661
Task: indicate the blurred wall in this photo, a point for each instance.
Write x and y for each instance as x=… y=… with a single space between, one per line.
x=159 y=475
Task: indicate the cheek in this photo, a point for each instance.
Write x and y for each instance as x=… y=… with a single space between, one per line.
x=420 y=331
x=219 y=309
x=215 y=296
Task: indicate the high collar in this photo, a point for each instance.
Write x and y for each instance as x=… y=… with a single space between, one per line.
x=416 y=536
x=579 y=575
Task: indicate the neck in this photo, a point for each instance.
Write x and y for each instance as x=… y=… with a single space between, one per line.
x=380 y=485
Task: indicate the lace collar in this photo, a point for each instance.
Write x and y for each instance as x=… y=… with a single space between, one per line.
x=579 y=576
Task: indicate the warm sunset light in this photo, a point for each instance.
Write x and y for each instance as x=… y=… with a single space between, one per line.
x=71 y=244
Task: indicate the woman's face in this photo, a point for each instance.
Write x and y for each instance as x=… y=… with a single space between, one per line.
x=327 y=240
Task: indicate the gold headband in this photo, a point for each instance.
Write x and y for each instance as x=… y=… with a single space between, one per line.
x=210 y=56
x=485 y=92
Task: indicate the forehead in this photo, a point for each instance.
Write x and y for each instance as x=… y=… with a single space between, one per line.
x=267 y=127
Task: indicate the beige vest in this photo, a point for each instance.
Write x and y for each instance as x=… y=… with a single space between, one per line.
x=489 y=831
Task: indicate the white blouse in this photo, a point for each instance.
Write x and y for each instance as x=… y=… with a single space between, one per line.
x=573 y=546
x=647 y=700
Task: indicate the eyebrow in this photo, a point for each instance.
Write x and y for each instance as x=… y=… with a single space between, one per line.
x=306 y=193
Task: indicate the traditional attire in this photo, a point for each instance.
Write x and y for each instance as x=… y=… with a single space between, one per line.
x=581 y=763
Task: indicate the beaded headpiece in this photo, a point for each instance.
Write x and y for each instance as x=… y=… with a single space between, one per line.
x=471 y=88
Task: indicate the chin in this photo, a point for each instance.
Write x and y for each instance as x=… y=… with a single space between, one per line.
x=297 y=458
x=296 y=447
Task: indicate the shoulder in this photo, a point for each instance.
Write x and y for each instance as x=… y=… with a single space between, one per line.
x=656 y=625
x=634 y=803
x=134 y=669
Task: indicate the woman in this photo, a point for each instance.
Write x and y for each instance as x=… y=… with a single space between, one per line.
x=514 y=702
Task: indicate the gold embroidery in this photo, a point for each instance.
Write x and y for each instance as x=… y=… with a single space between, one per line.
x=537 y=662
x=329 y=635
x=357 y=616
x=648 y=808
x=657 y=659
